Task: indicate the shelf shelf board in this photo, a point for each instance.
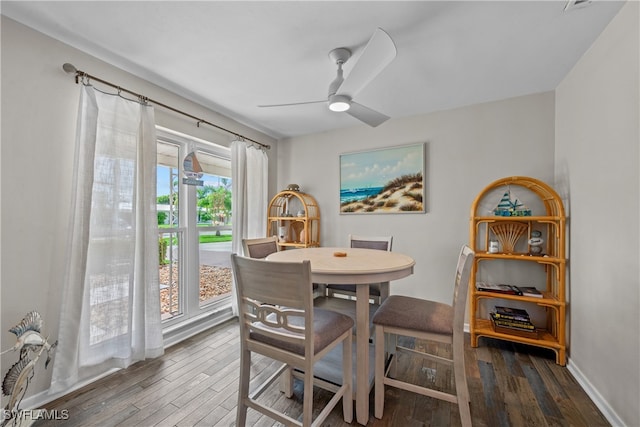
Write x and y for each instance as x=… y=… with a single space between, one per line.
x=539 y=218
x=519 y=256
x=547 y=299
x=299 y=244
x=545 y=339
x=292 y=218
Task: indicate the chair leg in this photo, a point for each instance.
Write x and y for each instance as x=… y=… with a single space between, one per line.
x=307 y=398
x=463 y=399
x=392 y=349
x=347 y=378
x=384 y=292
x=243 y=391
x=379 y=372
x=462 y=389
x=286 y=382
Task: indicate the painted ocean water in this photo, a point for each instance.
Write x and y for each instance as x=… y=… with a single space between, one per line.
x=354 y=194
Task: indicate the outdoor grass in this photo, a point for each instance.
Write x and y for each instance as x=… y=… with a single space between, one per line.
x=212 y=238
x=205 y=238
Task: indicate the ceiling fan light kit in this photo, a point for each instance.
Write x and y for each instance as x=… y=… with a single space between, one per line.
x=377 y=54
x=339 y=103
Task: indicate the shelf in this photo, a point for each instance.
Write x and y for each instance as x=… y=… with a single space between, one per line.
x=549 y=221
x=545 y=339
x=291 y=218
x=294 y=217
x=497 y=218
x=546 y=300
x=299 y=244
x=519 y=257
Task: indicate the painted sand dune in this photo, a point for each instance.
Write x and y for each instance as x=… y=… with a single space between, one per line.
x=403 y=194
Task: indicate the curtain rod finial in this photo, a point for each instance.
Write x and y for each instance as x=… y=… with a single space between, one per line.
x=69 y=68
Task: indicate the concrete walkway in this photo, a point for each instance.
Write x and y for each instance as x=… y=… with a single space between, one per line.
x=216 y=254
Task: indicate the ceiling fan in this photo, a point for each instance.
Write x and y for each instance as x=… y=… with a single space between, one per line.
x=377 y=54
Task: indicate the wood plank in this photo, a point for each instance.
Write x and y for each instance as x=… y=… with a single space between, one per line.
x=493 y=398
x=196 y=384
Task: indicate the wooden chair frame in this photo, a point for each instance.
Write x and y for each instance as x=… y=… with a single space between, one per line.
x=456 y=339
x=260 y=247
x=276 y=314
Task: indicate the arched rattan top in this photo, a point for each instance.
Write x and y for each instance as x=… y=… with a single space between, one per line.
x=551 y=199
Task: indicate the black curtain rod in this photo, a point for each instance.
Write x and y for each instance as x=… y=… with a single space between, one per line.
x=71 y=69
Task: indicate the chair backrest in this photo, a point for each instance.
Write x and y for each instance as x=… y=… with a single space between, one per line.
x=382 y=243
x=261 y=247
x=275 y=299
x=461 y=288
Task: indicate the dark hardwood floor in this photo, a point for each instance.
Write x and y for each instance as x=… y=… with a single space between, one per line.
x=195 y=384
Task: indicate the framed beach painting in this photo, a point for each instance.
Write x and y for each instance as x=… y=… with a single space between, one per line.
x=386 y=180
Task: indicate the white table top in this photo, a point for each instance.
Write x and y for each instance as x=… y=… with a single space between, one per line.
x=359 y=266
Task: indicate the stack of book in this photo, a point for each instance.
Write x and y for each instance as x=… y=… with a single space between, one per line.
x=514 y=321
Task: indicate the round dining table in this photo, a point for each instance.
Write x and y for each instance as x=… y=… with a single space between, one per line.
x=361 y=267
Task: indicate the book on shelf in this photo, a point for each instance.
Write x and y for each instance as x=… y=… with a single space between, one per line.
x=516 y=324
x=498 y=288
x=530 y=291
x=532 y=333
x=510 y=313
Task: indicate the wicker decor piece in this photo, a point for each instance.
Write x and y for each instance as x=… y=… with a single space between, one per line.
x=508 y=234
x=545 y=221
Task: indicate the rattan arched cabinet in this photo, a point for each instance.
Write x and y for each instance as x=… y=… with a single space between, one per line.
x=294 y=217
x=517 y=228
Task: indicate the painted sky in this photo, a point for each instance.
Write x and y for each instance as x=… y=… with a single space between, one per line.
x=376 y=168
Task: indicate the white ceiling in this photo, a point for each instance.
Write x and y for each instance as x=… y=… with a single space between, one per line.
x=232 y=56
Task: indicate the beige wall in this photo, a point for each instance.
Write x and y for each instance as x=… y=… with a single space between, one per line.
x=39 y=109
x=597 y=137
x=467 y=148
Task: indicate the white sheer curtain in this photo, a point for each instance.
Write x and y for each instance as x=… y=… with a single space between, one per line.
x=249 y=178
x=110 y=314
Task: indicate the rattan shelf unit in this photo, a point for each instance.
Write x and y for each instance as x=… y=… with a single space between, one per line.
x=546 y=219
x=294 y=217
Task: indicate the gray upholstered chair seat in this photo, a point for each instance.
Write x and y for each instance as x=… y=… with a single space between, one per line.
x=327 y=326
x=415 y=314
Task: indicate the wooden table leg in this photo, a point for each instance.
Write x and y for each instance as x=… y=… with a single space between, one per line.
x=362 y=354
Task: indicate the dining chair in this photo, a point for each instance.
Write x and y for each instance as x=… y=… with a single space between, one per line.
x=426 y=320
x=377 y=291
x=277 y=320
x=260 y=247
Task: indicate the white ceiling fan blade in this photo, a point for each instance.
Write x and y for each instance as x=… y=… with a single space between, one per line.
x=293 y=103
x=377 y=54
x=366 y=115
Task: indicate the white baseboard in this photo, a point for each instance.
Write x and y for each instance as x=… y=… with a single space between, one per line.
x=595 y=396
